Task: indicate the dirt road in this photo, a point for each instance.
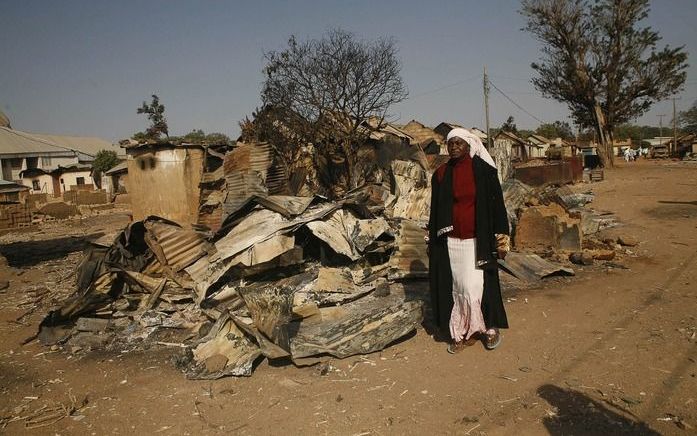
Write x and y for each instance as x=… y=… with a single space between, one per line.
x=609 y=351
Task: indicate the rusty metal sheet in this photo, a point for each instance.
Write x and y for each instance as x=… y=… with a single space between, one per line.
x=515 y=194
x=249 y=157
x=412 y=191
x=255 y=228
x=531 y=267
x=264 y=251
x=364 y=326
x=567 y=171
x=178 y=247
x=336 y=231
x=410 y=259
x=286 y=205
x=225 y=350
x=365 y=232
x=241 y=186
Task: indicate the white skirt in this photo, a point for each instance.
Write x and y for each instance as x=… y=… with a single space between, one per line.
x=466 y=318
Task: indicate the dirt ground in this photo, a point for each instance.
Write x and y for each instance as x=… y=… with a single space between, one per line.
x=609 y=351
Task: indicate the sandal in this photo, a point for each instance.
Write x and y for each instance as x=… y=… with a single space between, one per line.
x=492 y=341
x=456 y=347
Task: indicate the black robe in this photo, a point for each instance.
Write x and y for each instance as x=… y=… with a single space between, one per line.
x=490 y=219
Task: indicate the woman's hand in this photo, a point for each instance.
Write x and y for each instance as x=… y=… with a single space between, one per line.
x=503 y=245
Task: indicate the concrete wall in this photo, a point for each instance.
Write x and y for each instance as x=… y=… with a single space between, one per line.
x=12 y=166
x=165 y=183
x=51 y=163
x=45 y=184
x=69 y=179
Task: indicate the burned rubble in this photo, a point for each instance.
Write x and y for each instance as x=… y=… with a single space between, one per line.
x=293 y=278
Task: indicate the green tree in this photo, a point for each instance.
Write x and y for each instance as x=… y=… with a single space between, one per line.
x=509 y=126
x=557 y=129
x=688 y=119
x=196 y=136
x=103 y=162
x=599 y=59
x=155 y=112
x=140 y=137
x=218 y=139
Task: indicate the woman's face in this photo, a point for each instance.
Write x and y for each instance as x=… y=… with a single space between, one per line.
x=457 y=147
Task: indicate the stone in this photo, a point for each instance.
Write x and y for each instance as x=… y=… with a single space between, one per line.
x=92 y=324
x=627 y=241
x=603 y=254
x=216 y=363
x=548 y=227
x=581 y=258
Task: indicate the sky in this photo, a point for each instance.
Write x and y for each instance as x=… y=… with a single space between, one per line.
x=83 y=67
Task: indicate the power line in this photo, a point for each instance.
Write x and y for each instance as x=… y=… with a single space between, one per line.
x=514 y=103
x=459 y=82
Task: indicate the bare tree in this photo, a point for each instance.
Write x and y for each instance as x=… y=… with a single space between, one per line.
x=321 y=91
x=597 y=58
x=688 y=119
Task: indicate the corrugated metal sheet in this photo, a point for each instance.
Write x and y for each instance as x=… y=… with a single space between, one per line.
x=336 y=232
x=409 y=259
x=180 y=247
x=15 y=142
x=257 y=227
x=531 y=267
x=250 y=171
x=421 y=133
x=277 y=180
x=89 y=145
x=558 y=173
x=211 y=217
x=120 y=168
x=515 y=193
x=412 y=191
x=249 y=157
x=286 y=205
x=241 y=187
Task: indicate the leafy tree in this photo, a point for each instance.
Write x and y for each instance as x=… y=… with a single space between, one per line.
x=640 y=133
x=103 y=162
x=218 y=139
x=321 y=91
x=509 y=125
x=140 y=137
x=688 y=119
x=155 y=112
x=557 y=129
x=597 y=58
x=198 y=136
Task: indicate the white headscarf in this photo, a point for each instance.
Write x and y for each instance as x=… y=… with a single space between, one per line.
x=476 y=146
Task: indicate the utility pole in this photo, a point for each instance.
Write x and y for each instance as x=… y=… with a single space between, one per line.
x=675 y=128
x=660 y=124
x=486 y=108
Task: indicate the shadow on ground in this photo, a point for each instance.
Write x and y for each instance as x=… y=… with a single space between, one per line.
x=30 y=253
x=577 y=413
x=693 y=203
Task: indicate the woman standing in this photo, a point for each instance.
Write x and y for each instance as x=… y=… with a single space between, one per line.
x=468 y=232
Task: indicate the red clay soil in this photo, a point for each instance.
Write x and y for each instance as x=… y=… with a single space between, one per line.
x=610 y=351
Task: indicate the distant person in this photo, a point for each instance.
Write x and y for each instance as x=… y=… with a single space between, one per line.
x=627 y=154
x=468 y=232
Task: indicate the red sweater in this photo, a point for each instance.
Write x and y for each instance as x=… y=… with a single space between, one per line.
x=464 y=191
